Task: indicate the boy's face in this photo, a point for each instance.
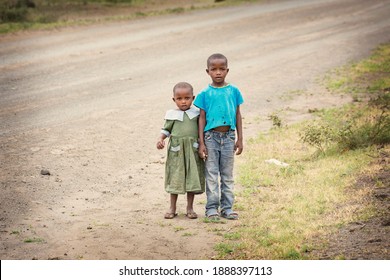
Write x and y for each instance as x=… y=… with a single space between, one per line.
x=217 y=69
x=183 y=98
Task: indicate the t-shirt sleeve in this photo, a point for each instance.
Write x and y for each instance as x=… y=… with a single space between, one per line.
x=239 y=98
x=199 y=101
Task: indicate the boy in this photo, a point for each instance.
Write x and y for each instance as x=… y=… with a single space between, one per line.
x=219 y=120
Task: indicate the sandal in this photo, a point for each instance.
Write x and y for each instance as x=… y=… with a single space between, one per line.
x=192 y=215
x=213 y=217
x=230 y=216
x=170 y=215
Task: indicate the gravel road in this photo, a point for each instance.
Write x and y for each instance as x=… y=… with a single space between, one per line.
x=87 y=104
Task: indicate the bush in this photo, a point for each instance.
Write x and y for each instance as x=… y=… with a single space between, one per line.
x=360 y=126
x=15 y=10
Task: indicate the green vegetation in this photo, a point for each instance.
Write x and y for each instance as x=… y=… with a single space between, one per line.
x=34 y=240
x=367 y=121
x=16 y=15
x=284 y=208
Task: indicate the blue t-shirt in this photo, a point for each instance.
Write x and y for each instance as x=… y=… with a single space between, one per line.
x=220 y=105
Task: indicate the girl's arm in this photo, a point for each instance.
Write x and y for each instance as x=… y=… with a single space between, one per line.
x=160 y=141
x=239 y=146
x=165 y=133
x=201 y=125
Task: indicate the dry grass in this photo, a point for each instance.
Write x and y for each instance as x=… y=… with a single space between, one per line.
x=283 y=207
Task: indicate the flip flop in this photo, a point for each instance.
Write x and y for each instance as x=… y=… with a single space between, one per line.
x=170 y=215
x=192 y=215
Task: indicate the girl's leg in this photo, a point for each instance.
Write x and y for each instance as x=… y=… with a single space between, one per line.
x=190 y=206
x=172 y=209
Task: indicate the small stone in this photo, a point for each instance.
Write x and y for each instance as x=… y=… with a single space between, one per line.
x=45 y=172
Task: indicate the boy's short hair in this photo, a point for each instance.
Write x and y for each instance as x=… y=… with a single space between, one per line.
x=183 y=85
x=216 y=56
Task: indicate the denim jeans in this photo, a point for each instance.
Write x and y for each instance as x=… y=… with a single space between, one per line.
x=219 y=163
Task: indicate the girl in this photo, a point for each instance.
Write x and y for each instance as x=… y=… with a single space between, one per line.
x=184 y=170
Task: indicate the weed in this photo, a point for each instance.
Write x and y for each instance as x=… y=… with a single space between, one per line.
x=213 y=221
x=276 y=120
x=224 y=249
x=318 y=135
x=178 y=228
x=292 y=254
x=34 y=240
x=232 y=236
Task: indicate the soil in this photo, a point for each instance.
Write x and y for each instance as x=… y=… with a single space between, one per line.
x=81 y=109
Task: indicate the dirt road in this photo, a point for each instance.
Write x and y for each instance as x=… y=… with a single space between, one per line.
x=87 y=104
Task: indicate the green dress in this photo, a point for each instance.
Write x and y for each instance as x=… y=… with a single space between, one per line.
x=184 y=169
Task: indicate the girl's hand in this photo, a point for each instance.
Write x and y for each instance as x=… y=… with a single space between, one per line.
x=202 y=151
x=160 y=144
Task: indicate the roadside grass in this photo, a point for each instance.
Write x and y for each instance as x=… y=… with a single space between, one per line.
x=17 y=15
x=282 y=209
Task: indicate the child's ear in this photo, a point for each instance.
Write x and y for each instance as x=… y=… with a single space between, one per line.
x=207 y=70
x=227 y=70
x=193 y=97
x=173 y=98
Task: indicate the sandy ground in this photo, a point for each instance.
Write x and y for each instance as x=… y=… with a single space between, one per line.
x=87 y=104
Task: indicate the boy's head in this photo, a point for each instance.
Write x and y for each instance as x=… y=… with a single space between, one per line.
x=216 y=56
x=217 y=68
x=183 y=95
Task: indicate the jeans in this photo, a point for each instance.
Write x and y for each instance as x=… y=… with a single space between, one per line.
x=220 y=161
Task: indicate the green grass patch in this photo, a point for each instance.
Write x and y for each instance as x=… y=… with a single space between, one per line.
x=34 y=240
x=370 y=75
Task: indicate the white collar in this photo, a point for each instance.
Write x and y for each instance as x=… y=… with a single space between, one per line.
x=176 y=114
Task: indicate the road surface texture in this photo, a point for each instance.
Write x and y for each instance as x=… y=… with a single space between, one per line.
x=87 y=104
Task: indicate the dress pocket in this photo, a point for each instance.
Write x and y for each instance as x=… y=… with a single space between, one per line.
x=175 y=148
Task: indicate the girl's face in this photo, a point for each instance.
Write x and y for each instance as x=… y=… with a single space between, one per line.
x=218 y=70
x=183 y=98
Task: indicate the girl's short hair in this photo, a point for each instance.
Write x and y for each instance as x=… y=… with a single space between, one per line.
x=183 y=85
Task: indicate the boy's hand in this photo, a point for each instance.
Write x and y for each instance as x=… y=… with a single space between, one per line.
x=202 y=151
x=160 y=144
x=238 y=147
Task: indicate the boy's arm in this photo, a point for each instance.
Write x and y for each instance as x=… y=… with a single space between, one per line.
x=201 y=125
x=239 y=146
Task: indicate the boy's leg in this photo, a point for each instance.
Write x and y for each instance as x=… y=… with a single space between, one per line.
x=211 y=175
x=226 y=171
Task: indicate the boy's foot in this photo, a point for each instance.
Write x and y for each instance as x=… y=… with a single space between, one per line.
x=213 y=217
x=230 y=216
x=170 y=215
x=192 y=215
